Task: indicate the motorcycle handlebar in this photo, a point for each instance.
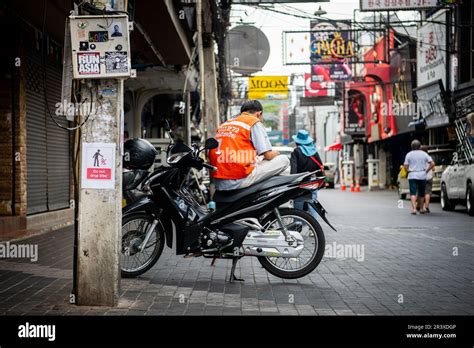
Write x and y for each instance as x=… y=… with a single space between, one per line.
x=208 y=166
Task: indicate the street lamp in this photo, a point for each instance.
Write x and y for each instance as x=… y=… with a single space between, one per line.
x=320 y=12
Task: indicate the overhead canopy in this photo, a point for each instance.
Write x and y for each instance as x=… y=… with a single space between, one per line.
x=333 y=147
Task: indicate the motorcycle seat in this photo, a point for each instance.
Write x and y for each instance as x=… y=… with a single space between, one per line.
x=277 y=180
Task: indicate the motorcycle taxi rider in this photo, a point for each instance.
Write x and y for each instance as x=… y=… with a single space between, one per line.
x=241 y=140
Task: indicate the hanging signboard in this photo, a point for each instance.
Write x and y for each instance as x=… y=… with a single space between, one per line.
x=296 y=47
x=431 y=104
x=397 y=5
x=268 y=87
x=354 y=112
x=98 y=166
x=431 y=51
x=257 y=2
x=328 y=44
x=318 y=89
x=332 y=46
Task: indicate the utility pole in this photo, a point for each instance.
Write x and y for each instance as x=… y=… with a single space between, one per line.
x=202 y=89
x=100 y=211
x=209 y=100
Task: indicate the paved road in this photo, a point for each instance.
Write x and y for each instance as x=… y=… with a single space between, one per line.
x=406 y=265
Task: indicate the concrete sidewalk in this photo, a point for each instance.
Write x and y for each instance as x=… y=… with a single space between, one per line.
x=410 y=265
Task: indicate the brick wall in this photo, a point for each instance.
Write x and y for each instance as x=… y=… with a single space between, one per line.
x=5 y=141
x=12 y=109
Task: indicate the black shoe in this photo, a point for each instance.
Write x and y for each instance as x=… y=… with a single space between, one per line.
x=428 y=210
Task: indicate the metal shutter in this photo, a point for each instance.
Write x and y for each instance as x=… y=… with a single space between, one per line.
x=58 y=146
x=47 y=144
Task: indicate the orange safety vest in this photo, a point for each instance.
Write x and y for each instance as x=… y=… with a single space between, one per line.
x=235 y=156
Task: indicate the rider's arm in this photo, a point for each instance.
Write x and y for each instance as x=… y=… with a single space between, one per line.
x=260 y=141
x=269 y=155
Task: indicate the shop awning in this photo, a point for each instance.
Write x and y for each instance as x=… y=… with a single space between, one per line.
x=333 y=147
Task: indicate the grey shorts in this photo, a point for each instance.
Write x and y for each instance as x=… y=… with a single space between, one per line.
x=429 y=186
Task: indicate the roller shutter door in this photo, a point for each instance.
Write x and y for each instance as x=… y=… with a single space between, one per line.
x=47 y=145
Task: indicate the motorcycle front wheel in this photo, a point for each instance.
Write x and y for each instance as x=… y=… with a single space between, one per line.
x=133 y=260
x=314 y=244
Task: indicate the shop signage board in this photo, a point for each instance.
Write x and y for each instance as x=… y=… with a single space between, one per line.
x=397 y=5
x=431 y=104
x=431 y=51
x=268 y=87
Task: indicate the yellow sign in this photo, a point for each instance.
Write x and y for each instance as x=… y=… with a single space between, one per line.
x=268 y=87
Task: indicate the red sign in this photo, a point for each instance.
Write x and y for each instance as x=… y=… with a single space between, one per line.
x=99 y=173
x=318 y=89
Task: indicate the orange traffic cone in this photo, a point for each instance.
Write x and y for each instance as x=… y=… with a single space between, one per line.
x=357 y=188
x=352 y=187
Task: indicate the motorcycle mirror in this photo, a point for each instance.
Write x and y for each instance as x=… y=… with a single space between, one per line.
x=167 y=125
x=211 y=143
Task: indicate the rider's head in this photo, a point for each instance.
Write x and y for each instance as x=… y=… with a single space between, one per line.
x=253 y=107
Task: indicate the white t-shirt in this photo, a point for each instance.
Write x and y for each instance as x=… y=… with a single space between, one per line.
x=429 y=175
x=417 y=162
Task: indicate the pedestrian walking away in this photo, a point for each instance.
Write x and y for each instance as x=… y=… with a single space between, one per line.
x=429 y=183
x=418 y=163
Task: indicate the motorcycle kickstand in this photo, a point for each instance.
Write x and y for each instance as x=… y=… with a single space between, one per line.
x=232 y=271
x=213 y=261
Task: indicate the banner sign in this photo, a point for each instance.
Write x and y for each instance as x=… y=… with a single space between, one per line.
x=355 y=110
x=332 y=43
x=397 y=5
x=329 y=43
x=268 y=87
x=431 y=51
x=332 y=46
x=318 y=89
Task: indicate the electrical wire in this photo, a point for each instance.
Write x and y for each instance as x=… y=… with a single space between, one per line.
x=44 y=75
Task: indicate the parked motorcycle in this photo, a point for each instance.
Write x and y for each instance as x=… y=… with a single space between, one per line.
x=289 y=243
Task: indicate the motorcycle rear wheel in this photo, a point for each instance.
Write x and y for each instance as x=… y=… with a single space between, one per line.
x=271 y=264
x=139 y=224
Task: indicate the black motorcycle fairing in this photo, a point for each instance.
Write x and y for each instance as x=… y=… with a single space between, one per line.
x=147 y=205
x=320 y=210
x=237 y=232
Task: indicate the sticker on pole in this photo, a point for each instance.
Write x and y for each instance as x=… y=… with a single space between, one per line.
x=98 y=165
